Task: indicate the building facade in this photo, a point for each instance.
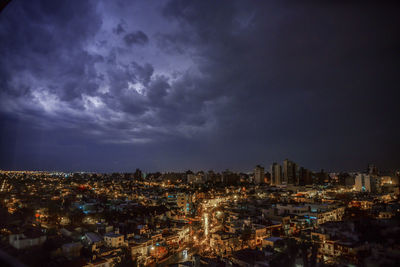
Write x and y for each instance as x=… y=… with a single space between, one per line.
x=289 y=172
x=366 y=183
x=259 y=174
x=276 y=174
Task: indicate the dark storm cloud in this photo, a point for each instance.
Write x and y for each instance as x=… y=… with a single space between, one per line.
x=40 y=40
x=119 y=29
x=297 y=77
x=225 y=84
x=138 y=37
x=144 y=72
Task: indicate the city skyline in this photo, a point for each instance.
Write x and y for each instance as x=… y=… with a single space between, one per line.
x=276 y=172
x=174 y=85
x=199 y=133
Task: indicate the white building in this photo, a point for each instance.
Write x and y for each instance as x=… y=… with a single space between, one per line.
x=114 y=240
x=27 y=239
x=292 y=209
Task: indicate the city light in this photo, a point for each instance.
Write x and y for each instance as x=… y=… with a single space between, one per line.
x=199 y=133
x=218 y=227
x=206 y=224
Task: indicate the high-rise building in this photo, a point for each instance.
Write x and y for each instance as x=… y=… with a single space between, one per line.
x=366 y=183
x=258 y=174
x=211 y=176
x=138 y=174
x=191 y=178
x=183 y=201
x=276 y=174
x=230 y=178
x=304 y=177
x=295 y=171
x=289 y=172
x=372 y=169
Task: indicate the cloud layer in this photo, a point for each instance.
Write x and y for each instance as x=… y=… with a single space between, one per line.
x=102 y=85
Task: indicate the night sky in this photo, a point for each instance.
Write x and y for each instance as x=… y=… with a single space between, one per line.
x=176 y=85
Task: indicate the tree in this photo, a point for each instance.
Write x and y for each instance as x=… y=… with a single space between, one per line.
x=4 y=215
x=288 y=256
x=245 y=236
x=309 y=259
x=126 y=259
x=54 y=210
x=26 y=213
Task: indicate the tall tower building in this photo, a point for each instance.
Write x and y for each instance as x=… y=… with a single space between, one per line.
x=372 y=169
x=304 y=177
x=366 y=183
x=289 y=172
x=258 y=174
x=230 y=178
x=295 y=174
x=276 y=174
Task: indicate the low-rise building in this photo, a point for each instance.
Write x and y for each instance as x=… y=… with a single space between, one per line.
x=114 y=240
x=27 y=239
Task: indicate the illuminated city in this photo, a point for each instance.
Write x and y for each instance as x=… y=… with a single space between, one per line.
x=202 y=218
x=190 y=133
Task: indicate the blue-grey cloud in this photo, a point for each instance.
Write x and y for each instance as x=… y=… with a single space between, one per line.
x=119 y=29
x=225 y=84
x=138 y=37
